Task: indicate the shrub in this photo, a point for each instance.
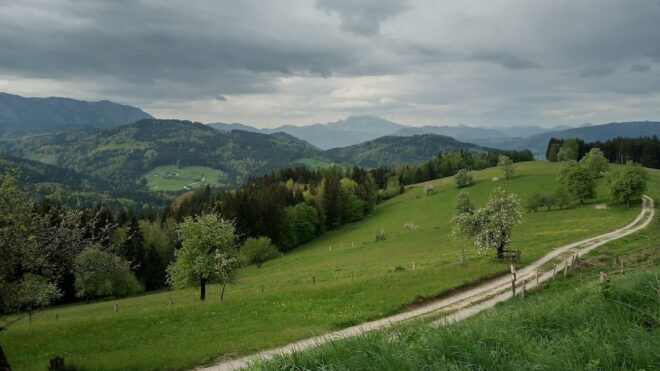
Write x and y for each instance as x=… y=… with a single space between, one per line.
x=99 y=273
x=534 y=202
x=381 y=235
x=563 y=198
x=257 y=251
x=463 y=178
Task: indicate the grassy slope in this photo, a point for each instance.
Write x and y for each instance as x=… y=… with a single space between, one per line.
x=567 y=325
x=187 y=176
x=355 y=282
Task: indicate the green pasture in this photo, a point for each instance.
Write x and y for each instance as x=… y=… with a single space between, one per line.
x=313 y=163
x=171 y=178
x=356 y=280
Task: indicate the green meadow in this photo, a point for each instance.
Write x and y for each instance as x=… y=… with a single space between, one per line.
x=313 y=163
x=356 y=279
x=172 y=178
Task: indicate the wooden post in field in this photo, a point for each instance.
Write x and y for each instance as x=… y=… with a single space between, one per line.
x=566 y=268
x=171 y=301
x=554 y=271
x=603 y=277
x=57 y=316
x=413 y=265
x=621 y=264
x=537 y=277
x=116 y=308
x=513 y=280
x=314 y=280
x=522 y=289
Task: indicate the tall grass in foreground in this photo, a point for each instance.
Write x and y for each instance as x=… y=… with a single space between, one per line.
x=570 y=325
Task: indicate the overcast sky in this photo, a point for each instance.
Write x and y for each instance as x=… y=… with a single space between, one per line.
x=273 y=62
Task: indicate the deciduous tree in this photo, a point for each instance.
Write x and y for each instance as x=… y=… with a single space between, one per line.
x=628 y=185
x=491 y=226
x=463 y=178
x=208 y=253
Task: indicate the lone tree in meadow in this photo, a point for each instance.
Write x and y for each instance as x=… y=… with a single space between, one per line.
x=506 y=164
x=490 y=226
x=628 y=185
x=208 y=254
x=463 y=178
x=578 y=180
x=595 y=162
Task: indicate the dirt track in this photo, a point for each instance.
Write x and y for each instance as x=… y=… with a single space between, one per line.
x=463 y=304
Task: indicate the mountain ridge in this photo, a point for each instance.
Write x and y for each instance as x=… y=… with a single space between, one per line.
x=19 y=113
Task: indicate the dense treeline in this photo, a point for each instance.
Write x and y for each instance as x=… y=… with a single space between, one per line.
x=449 y=163
x=643 y=150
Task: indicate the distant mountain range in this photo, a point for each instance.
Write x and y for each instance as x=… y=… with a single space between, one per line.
x=31 y=114
x=360 y=129
x=342 y=133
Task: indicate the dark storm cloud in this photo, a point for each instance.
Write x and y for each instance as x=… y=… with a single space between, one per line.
x=270 y=61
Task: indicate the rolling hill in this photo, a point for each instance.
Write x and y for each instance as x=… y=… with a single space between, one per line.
x=391 y=150
x=123 y=155
x=33 y=114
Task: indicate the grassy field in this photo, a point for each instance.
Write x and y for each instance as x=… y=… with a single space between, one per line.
x=171 y=178
x=313 y=163
x=276 y=304
x=568 y=325
x=555 y=328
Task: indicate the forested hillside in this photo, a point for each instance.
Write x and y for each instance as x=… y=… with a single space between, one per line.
x=642 y=150
x=391 y=150
x=34 y=114
x=538 y=143
x=70 y=187
x=122 y=155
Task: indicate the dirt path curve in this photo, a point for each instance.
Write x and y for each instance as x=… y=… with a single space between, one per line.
x=463 y=304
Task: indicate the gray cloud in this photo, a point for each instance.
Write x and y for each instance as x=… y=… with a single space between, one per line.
x=363 y=17
x=418 y=61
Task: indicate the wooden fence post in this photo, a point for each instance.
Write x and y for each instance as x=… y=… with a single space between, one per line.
x=537 y=276
x=566 y=268
x=413 y=265
x=621 y=263
x=116 y=308
x=314 y=280
x=522 y=289
x=513 y=280
x=554 y=271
